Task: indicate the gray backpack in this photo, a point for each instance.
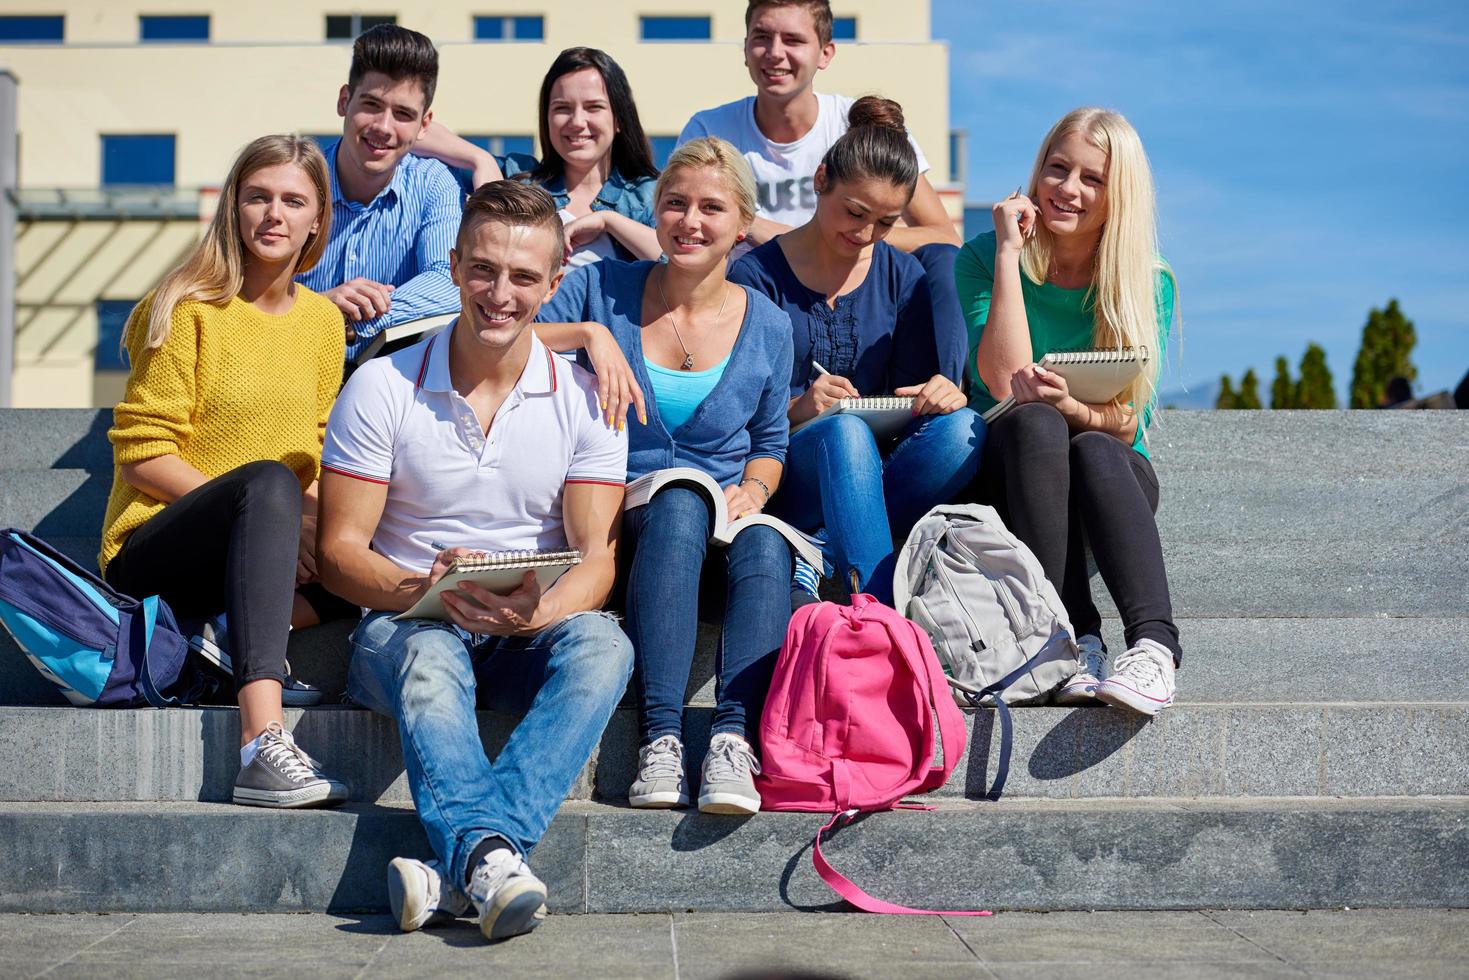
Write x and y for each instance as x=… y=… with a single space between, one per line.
x=996 y=621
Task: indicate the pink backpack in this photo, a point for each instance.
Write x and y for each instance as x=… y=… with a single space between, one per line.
x=859 y=715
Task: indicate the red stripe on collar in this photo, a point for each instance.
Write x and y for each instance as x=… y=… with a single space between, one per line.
x=423 y=367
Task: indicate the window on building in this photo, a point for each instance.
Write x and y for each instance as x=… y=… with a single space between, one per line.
x=173 y=28
x=663 y=147
x=322 y=139
x=958 y=140
x=496 y=28
x=346 y=27
x=112 y=318
x=675 y=29
x=501 y=145
x=844 y=28
x=137 y=159
x=20 y=29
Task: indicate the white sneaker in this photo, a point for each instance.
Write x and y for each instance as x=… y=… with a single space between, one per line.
x=1091 y=655
x=510 y=899
x=662 y=782
x=729 y=777
x=1142 y=679
x=420 y=897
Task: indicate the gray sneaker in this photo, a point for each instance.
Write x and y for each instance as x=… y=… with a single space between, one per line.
x=420 y=897
x=1091 y=653
x=729 y=777
x=662 y=782
x=283 y=775
x=510 y=899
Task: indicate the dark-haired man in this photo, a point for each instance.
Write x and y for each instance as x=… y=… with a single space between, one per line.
x=480 y=439
x=393 y=215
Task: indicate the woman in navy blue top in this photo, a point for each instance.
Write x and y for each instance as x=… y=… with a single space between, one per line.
x=595 y=161
x=863 y=326
x=707 y=362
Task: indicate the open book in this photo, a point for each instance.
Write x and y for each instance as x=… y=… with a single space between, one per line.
x=886 y=416
x=641 y=490
x=498 y=571
x=403 y=335
x=1092 y=376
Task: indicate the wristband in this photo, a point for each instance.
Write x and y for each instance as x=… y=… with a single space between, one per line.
x=763 y=486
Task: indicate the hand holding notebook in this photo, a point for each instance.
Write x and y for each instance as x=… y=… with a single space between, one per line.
x=1092 y=376
x=501 y=572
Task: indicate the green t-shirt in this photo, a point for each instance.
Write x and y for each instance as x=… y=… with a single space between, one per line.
x=1059 y=319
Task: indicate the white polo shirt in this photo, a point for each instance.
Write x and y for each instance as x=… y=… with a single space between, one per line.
x=399 y=422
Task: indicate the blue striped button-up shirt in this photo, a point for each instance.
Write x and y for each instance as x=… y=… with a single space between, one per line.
x=401 y=237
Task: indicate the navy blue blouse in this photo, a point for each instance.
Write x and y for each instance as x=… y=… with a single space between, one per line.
x=742 y=418
x=880 y=336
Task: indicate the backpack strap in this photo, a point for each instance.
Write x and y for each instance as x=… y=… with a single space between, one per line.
x=850 y=891
x=142 y=627
x=1007 y=727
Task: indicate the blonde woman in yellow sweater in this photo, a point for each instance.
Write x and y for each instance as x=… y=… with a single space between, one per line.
x=217 y=443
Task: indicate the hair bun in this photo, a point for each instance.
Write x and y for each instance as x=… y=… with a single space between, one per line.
x=874 y=110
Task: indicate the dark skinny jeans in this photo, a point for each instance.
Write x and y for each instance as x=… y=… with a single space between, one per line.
x=229 y=546
x=1059 y=492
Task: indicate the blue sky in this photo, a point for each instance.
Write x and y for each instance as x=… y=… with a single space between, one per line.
x=1312 y=158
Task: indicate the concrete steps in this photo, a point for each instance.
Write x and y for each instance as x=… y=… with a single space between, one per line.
x=1317 y=563
x=1115 y=854
x=1329 y=750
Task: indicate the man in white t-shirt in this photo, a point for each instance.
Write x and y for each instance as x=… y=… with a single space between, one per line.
x=479 y=438
x=785 y=128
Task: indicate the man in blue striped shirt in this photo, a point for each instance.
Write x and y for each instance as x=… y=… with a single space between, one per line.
x=394 y=216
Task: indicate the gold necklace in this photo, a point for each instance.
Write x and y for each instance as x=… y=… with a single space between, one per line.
x=688 y=358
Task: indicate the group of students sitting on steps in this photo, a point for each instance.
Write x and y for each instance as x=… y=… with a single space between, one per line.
x=790 y=254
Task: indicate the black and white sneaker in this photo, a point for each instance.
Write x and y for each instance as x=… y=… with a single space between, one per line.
x=283 y=775
x=212 y=643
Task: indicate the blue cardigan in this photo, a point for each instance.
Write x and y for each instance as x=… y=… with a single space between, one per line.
x=880 y=336
x=743 y=418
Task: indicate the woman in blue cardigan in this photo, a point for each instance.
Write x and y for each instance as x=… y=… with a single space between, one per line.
x=707 y=364
x=863 y=325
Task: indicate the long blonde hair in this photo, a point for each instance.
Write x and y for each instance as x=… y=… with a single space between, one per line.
x=1124 y=286
x=215 y=270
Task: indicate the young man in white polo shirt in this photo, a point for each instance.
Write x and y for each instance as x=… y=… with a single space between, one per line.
x=480 y=439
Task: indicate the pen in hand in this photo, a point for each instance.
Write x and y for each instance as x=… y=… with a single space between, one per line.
x=819 y=369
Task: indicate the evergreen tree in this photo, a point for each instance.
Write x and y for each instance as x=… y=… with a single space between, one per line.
x=1387 y=346
x=1227 y=398
x=1315 y=389
x=1249 y=390
x=1282 y=390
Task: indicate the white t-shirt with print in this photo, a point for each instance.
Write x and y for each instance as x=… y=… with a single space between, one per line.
x=784 y=172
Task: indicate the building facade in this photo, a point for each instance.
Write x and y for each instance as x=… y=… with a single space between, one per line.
x=128 y=114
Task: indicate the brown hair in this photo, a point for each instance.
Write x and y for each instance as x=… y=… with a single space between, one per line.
x=820 y=14
x=876 y=146
x=215 y=269
x=397 y=53
x=517 y=204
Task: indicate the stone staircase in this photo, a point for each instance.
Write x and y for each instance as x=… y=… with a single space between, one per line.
x=1314 y=759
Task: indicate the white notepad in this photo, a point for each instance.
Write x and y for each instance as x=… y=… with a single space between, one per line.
x=498 y=571
x=1092 y=376
x=885 y=415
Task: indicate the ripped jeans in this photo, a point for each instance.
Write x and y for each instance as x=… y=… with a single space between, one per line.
x=428 y=676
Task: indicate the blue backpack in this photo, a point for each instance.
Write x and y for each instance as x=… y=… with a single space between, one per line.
x=101 y=648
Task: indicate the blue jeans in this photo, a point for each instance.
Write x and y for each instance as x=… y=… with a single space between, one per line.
x=838 y=478
x=668 y=540
x=422 y=673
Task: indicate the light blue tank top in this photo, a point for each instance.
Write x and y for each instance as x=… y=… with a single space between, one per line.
x=678 y=393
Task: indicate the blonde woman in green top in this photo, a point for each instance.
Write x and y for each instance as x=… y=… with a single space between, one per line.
x=1073 y=264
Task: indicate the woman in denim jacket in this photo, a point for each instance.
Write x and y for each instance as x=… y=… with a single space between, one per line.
x=595 y=163
x=714 y=360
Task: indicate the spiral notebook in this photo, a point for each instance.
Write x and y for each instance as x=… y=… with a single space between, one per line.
x=498 y=571
x=1092 y=376
x=886 y=416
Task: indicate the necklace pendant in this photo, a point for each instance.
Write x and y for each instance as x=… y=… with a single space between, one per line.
x=688 y=362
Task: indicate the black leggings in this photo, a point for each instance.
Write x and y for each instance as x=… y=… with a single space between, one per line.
x=229 y=546
x=1059 y=492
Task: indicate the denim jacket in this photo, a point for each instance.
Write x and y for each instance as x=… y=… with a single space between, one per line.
x=631 y=198
x=742 y=418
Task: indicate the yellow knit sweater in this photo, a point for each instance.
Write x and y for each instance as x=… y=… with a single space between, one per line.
x=229 y=386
